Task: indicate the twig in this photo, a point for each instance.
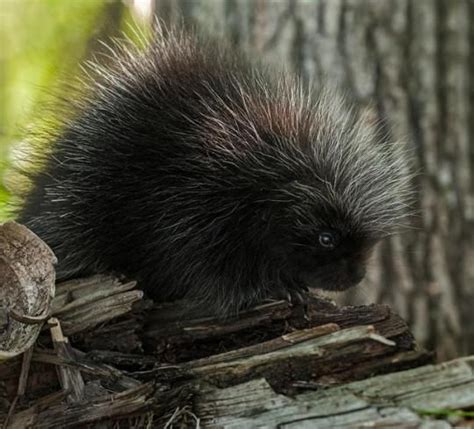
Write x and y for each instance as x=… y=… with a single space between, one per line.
x=30 y=320
x=25 y=369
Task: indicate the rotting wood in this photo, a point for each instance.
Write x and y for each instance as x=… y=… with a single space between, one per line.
x=395 y=400
x=295 y=347
x=25 y=369
x=62 y=416
x=85 y=303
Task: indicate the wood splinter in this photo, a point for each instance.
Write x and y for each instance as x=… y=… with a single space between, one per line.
x=70 y=378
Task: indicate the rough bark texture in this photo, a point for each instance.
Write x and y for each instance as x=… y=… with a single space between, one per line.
x=412 y=61
x=27 y=286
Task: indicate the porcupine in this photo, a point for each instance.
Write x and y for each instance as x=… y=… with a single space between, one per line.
x=206 y=175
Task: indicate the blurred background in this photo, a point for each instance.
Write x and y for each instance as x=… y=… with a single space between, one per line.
x=410 y=61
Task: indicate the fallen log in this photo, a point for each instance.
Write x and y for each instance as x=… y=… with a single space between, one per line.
x=293 y=347
x=403 y=399
x=109 y=357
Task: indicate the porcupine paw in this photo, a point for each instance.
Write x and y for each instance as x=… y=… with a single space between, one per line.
x=295 y=295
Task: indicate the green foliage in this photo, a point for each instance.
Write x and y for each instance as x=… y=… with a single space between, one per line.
x=42 y=43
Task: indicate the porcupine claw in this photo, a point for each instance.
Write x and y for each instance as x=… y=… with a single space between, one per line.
x=294 y=296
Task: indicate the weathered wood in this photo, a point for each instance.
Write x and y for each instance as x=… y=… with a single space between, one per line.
x=401 y=399
x=61 y=415
x=300 y=355
x=25 y=368
x=26 y=288
x=294 y=346
x=177 y=337
x=85 y=303
x=70 y=378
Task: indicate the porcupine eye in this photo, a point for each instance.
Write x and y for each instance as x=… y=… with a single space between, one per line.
x=328 y=240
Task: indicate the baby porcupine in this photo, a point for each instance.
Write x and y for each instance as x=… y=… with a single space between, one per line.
x=206 y=176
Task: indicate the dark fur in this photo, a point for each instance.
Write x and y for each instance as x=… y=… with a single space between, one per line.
x=203 y=175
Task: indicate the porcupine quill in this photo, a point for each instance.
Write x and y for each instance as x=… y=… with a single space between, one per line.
x=205 y=175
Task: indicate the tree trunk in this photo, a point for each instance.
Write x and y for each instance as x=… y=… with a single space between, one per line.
x=411 y=61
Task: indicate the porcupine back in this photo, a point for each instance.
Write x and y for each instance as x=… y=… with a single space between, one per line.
x=195 y=171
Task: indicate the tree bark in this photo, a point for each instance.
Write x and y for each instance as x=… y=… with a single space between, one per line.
x=411 y=61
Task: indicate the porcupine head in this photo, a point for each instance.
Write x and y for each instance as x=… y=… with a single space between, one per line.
x=207 y=176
